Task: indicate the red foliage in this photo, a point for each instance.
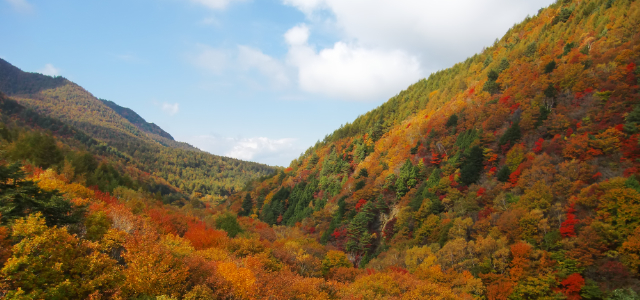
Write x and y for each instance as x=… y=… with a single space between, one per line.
x=289 y=169
x=596 y=175
x=572 y=285
x=481 y=192
x=537 y=148
x=515 y=175
x=408 y=125
x=399 y=270
x=567 y=227
x=631 y=67
x=630 y=171
x=452 y=178
x=473 y=89
x=619 y=127
x=105 y=197
x=569 y=131
x=504 y=100
x=202 y=237
x=370 y=271
x=514 y=107
x=337 y=233
x=435 y=158
x=493 y=171
x=360 y=204
x=485 y=213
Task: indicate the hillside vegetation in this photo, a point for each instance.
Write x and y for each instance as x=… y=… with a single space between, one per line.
x=517 y=166
x=146 y=146
x=512 y=175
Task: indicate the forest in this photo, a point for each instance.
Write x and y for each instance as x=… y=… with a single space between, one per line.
x=512 y=175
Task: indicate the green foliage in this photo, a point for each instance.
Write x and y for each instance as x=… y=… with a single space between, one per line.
x=512 y=135
x=97 y=224
x=632 y=120
x=503 y=174
x=491 y=85
x=563 y=16
x=568 y=47
x=299 y=199
x=548 y=68
x=623 y=294
x=39 y=149
x=247 y=206
x=407 y=179
x=504 y=64
x=591 y=290
x=359 y=238
x=467 y=138
x=229 y=223
x=452 y=121
x=472 y=166
x=531 y=50
x=20 y=197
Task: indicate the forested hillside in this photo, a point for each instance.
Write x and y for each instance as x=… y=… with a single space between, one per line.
x=512 y=175
x=137 y=120
x=147 y=147
x=517 y=167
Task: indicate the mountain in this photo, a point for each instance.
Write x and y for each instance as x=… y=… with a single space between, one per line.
x=516 y=165
x=511 y=175
x=137 y=120
x=147 y=147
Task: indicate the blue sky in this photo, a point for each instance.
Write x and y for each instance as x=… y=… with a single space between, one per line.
x=258 y=80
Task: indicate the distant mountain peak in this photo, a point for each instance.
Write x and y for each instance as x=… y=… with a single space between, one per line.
x=137 y=120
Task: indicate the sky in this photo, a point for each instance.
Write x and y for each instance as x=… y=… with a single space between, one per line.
x=258 y=80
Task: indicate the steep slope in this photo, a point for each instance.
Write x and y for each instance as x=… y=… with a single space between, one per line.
x=137 y=120
x=182 y=165
x=517 y=165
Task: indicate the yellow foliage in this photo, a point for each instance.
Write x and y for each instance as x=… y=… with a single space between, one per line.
x=241 y=279
x=49 y=180
x=178 y=246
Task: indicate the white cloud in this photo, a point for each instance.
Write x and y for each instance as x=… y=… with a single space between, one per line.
x=297 y=36
x=350 y=71
x=215 y=4
x=21 y=5
x=269 y=67
x=241 y=62
x=259 y=149
x=170 y=109
x=439 y=32
x=50 y=70
x=210 y=59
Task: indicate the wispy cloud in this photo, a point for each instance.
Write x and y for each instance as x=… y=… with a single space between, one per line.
x=270 y=68
x=248 y=64
x=170 y=109
x=210 y=59
x=20 y=5
x=259 y=149
x=50 y=70
x=215 y=4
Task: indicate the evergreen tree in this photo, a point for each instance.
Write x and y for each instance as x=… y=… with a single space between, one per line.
x=550 y=67
x=512 y=135
x=247 y=206
x=503 y=174
x=470 y=171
